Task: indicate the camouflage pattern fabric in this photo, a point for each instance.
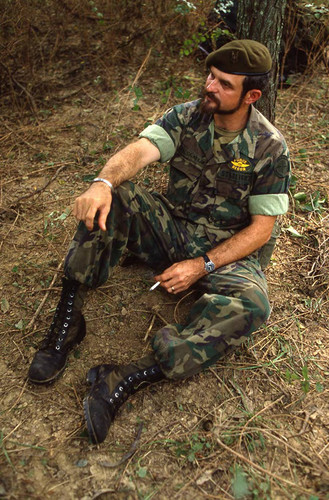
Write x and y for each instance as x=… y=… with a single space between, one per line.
x=233 y=301
x=233 y=304
x=250 y=176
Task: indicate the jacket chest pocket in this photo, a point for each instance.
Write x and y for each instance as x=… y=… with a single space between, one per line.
x=233 y=185
x=231 y=199
x=185 y=170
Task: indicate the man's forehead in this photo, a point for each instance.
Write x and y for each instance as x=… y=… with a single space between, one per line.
x=234 y=79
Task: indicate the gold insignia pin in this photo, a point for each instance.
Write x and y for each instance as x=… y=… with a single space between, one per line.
x=240 y=165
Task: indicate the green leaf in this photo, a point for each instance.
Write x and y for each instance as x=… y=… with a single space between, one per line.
x=305 y=386
x=239 y=483
x=294 y=233
x=197 y=447
x=300 y=196
x=20 y=325
x=63 y=216
x=108 y=145
x=4 y=306
x=82 y=462
x=138 y=92
x=142 y=471
x=293 y=181
x=305 y=372
x=307 y=207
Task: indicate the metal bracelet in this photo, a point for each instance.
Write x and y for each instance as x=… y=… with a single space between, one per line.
x=108 y=183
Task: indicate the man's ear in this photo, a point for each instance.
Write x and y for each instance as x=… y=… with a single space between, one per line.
x=252 y=96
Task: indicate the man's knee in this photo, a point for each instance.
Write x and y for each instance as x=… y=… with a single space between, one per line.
x=256 y=305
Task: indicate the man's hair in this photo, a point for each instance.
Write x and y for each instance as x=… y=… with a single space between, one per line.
x=255 y=82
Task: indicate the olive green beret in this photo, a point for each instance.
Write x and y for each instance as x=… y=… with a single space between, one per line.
x=241 y=57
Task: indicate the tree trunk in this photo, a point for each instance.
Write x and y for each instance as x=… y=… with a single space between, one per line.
x=262 y=20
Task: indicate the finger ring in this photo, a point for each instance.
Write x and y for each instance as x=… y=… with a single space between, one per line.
x=172 y=289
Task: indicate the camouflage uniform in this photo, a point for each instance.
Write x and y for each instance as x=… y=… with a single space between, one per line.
x=208 y=200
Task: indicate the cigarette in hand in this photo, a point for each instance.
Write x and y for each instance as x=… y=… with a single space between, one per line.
x=154 y=286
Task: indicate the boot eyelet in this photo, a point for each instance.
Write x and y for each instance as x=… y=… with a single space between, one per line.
x=145 y=373
x=57 y=348
x=116 y=394
x=120 y=388
x=70 y=302
x=71 y=295
x=65 y=325
x=130 y=379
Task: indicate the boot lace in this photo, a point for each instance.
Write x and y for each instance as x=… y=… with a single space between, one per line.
x=131 y=384
x=57 y=332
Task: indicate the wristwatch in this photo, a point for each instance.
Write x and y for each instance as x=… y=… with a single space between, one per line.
x=208 y=264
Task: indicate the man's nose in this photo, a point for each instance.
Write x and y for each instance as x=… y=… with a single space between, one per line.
x=211 y=85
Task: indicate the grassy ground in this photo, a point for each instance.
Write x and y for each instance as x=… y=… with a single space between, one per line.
x=253 y=426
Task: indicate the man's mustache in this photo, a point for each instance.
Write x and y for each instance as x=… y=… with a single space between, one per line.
x=211 y=96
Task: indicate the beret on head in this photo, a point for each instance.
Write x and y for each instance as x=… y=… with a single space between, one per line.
x=241 y=57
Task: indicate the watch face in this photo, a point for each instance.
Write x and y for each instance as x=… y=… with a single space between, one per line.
x=210 y=266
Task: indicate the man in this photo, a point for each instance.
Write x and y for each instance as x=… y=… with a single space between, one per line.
x=229 y=172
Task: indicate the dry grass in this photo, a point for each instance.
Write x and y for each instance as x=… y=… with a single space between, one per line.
x=253 y=426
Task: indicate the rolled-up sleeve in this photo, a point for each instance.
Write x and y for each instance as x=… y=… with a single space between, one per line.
x=268 y=204
x=166 y=132
x=269 y=195
x=161 y=139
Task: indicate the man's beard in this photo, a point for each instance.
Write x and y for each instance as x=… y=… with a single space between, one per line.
x=208 y=109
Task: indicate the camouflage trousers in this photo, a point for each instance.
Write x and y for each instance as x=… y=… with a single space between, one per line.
x=233 y=299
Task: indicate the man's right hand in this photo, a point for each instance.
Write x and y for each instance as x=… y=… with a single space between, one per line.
x=120 y=167
x=98 y=198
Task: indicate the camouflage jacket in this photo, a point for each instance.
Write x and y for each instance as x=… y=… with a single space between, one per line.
x=250 y=177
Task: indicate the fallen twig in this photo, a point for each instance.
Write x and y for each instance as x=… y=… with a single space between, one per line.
x=29 y=195
x=126 y=456
x=176 y=318
x=10 y=229
x=149 y=328
x=36 y=314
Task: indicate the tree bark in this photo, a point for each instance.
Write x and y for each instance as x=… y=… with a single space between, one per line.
x=262 y=20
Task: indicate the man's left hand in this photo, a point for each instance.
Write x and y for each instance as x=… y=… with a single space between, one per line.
x=181 y=275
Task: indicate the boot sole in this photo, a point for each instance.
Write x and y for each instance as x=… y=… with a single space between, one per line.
x=90 y=427
x=48 y=380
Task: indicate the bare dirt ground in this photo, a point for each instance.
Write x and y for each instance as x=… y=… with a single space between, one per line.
x=254 y=426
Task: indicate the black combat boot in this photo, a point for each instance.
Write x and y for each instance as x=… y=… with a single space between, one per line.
x=67 y=329
x=111 y=386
